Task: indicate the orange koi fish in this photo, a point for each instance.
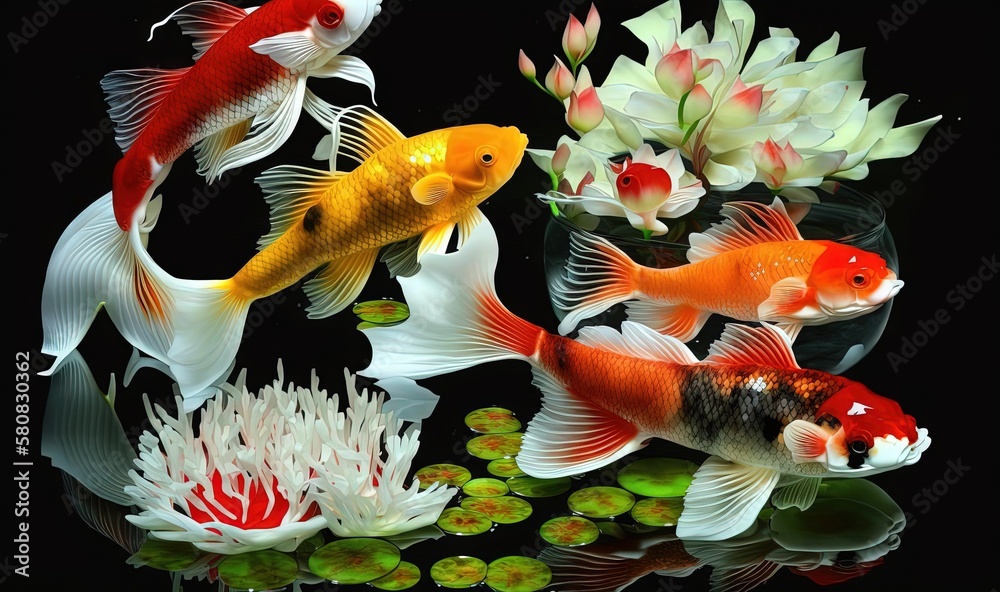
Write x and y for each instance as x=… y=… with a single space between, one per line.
x=605 y=394
x=404 y=200
x=754 y=266
x=242 y=97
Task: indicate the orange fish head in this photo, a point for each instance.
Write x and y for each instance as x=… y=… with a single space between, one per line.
x=482 y=157
x=874 y=433
x=335 y=24
x=849 y=281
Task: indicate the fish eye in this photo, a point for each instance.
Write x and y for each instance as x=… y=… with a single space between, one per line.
x=330 y=16
x=859 y=447
x=486 y=155
x=860 y=279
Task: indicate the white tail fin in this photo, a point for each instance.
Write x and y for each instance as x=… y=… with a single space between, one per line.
x=192 y=326
x=91 y=251
x=456 y=320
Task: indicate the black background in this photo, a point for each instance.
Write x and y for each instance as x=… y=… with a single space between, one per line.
x=426 y=58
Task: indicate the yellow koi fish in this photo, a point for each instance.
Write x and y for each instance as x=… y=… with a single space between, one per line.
x=405 y=198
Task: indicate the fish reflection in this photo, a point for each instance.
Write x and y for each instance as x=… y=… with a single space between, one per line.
x=845 y=534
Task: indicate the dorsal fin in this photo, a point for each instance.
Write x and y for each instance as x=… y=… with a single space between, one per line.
x=359 y=132
x=637 y=341
x=746 y=223
x=205 y=21
x=289 y=191
x=763 y=346
x=135 y=97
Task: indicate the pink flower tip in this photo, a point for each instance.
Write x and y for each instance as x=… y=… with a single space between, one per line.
x=526 y=66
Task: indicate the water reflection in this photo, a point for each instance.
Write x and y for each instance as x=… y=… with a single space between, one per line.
x=843 y=535
x=846 y=532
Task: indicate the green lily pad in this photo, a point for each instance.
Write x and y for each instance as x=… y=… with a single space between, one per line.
x=459 y=572
x=354 y=561
x=382 y=312
x=517 y=574
x=485 y=487
x=259 y=570
x=658 y=477
x=493 y=446
x=502 y=510
x=535 y=487
x=492 y=420
x=864 y=491
x=168 y=555
x=600 y=502
x=446 y=474
x=405 y=576
x=830 y=524
x=658 y=511
x=504 y=467
x=464 y=522
x=569 y=531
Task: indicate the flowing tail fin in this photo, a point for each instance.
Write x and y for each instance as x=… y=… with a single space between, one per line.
x=192 y=326
x=456 y=320
x=80 y=271
x=598 y=276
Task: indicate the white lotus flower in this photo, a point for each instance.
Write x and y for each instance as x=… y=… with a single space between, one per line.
x=262 y=470
x=714 y=100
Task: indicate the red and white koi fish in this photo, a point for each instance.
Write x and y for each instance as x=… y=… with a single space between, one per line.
x=605 y=394
x=242 y=97
x=754 y=266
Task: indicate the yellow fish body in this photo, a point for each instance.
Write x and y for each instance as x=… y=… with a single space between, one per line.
x=404 y=187
x=405 y=198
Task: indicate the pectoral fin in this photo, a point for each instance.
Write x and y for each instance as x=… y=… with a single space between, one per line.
x=806 y=441
x=790 y=299
x=432 y=188
x=724 y=499
x=338 y=284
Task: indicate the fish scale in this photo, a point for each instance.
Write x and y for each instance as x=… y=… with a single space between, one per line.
x=369 y=208
x=723 y=410
x=731 y=283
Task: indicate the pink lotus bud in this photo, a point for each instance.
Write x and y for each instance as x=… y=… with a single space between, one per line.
x=697 y=105
x=742 y=108
x=675 y=73
x=574 y=41
x=560 y=80
x=592 y=26
x=773 y=160
x=585 y=110
x=560 y=159
x=526 y=66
